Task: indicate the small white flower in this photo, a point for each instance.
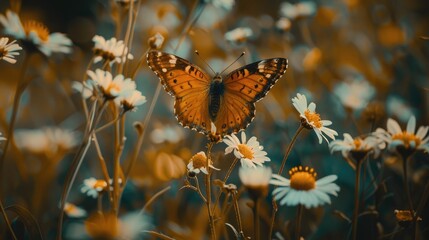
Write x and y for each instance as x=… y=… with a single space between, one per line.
x=74 y=211
x=367 y=144
x=397 y=106
x=110 y=87
x=301 y=9
x=86 y=89
x=311 y=119
x=2 y=138
x=250 y=153
x=166 y=133
x=48 y=140
x=255 y=177
x=302 y=188
x=92 y=187
x=156 y=41
x=110 y=50
x=283 y=24
x=36 y=33
x=239 y=35
x=409 y=138
x=198 y=163
x=8 y=51
x=131 y=100
x=354 y=94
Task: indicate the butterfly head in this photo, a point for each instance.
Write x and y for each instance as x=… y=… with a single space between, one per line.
x=217 y=78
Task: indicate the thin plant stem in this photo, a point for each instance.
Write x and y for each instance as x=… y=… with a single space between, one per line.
x=6 y=219
x=256 y=224
x=127 y=37
x=100 y=203
x=237 y=214
x=117 y=164
x=208 y=192
x=158 y=235
x=299 y=221
x=197 y=184
x=356 y=200
x=153 y=198
x=102 y=164
x=408 y=193
x=108 y=124
x=77 y=161
x=20 y=88
x=139 y=128
x=288 y=151
x=228 y=173
x=84 y=105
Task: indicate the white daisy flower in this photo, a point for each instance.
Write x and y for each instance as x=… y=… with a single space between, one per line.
x=239 y=35
x=198 y=163
x=92 y=187
x=301 y=9
x=35 y=33
x=408 y=139
x=256 y=180
x=302 y=188
x=354 y=94
x=86 y=89
x=250 y=153
x=131 y=100
x=8 y=51
x=311 y=120
x=358 y=144
x=110 y=87
x=74 y=211
x=110 y=50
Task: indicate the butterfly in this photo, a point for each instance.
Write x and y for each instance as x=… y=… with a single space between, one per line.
x=221 y=105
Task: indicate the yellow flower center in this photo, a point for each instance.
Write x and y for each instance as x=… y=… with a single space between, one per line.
x=245 y=150
x=100 y=184
x=407 y=138
x=37 y=27
x=314 y=118
x=303 y=179
x=70 y=208
x=199 y=160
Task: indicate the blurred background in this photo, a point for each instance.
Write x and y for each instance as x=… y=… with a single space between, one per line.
x=360 y=61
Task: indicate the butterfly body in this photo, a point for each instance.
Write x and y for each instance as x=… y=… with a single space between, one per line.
x=217 y=89
x=222 y=104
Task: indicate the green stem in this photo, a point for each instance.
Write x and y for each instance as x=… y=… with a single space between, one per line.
x=356 y=200
x=208 y=192
x=298 y=221
x=288 y=151
x=409 y=199
x=6 y=219
x=20 y=88
x=256 y=224
x=224 y=181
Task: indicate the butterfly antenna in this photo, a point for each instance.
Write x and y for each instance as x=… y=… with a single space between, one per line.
x=204 y=61
x=241 y=55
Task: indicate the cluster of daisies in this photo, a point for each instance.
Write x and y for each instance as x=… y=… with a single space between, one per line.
x=303 y=187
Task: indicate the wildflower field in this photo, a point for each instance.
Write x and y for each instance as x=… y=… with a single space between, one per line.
x=214 y=119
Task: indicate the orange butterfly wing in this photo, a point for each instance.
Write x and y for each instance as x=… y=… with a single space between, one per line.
x=244 y=87
x=188 y=84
